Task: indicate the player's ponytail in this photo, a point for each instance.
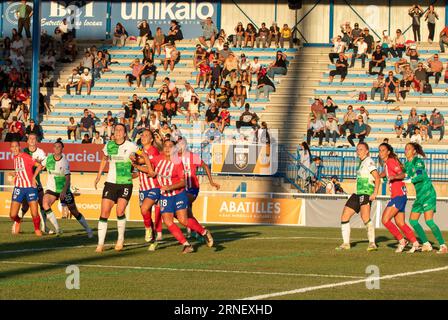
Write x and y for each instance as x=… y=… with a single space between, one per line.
x=59 y=140
x=392 y=153
x=418 y=148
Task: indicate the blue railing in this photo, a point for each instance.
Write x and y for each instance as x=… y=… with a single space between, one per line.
x=343 y=162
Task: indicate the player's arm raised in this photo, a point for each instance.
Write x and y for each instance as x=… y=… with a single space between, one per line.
x=209 y=175
x=101 y=169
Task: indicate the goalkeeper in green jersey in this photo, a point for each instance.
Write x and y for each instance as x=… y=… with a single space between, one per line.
x=426 y=198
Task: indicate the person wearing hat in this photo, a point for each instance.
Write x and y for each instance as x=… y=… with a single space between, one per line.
x=85 y=79
x=423 y=124
x=274 y=34
x=72 y=81
x=436 y=123
x=247 y=118
x=359 y=51
x=239 y=35
x=243 y=64
x=331 y=129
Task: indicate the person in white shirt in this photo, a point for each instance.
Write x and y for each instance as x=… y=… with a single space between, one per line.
x=72 y=81
x=6 y=105
x=87 y=61
x=416 y=137
x=331 y=130
x=85 y=79
x=186 y=95
x=360 y=51
x=220 y=44
x=97 y=139
x=254 y=67
x=338 y=47
x=315 y=129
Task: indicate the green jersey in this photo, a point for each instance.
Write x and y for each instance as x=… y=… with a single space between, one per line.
x=365 y=182
x=39 y=156
x=57 y=170
x=415 y=169
x=120 y=167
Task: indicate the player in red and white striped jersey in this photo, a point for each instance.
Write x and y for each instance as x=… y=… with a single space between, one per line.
x=192 y=161
x=149 y=189
x=169 y=171
x=25 y=188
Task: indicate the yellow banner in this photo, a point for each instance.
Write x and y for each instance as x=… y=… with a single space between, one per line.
x=253 y=210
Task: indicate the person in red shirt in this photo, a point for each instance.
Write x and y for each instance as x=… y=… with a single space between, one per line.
x=224 y=118
x=443 y=39
x=393 y=171
x=25 y=188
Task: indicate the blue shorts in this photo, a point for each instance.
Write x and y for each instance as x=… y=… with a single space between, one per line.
x=193 y=191
x=399 y=203
x=20 y=194
x=153 y=194
x=173 y=203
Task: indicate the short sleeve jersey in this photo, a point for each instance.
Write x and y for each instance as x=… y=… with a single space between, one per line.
x=365 y=182
x=120 y=167
x=397 y=187
x=24 y=168
x=39 y=156
x=57 y=170
x=168 y=173
x=146 y=182
x=191 y=162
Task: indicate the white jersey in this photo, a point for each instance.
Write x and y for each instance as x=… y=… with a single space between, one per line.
x=57 y=170
x=365 y=182
x=38 y=155
x=120 y=167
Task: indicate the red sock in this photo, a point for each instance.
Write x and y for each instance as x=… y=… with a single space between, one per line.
x=158 y=218
x=16 y=219
x=147 y=220
x=194 y=225
x=36 y=222
x=409 y=234
x=394 y=230
x=177 y=233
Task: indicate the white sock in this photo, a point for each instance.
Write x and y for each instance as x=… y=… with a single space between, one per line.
x=50 y=216
x=345 y=227
x=121 y=226
x=102 y=230
x=43 y=221
x=370 y=231
x=82 y=221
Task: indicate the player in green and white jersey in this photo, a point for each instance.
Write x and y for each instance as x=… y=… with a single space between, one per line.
x=118 y=187
x=367 y=185
x=58 y=187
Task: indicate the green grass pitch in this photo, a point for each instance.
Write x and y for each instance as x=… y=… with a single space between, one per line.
x=247 y=261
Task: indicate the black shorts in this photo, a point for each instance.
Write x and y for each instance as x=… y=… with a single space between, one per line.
x=356 y=201
x=131 y=77
x=114 y=191
x=69 y=198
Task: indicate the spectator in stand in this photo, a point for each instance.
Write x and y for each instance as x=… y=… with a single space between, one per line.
x=224 y=53
x=338 y=47
x=238 y=38
x=250 y=35
x=247 y=118
x=24 y=13
x=330 y=108
x=85 y=79
x=317 y=108
x=232 y=79
x=159 y=40
x=141 y=125
x=230 y=64
x=209 y=32
x=360 y=51
x=391 y=85
x=97 y=139
x=286 y=35
x=378 y=86
x=193 y=108
x=304 y=156
x=48 y=61
x=34 y=128
x=148 y=52
x=204 y=74
x=368 y=38
x=220 y=44
x=254 y=68
x=148 y=73
x=154 y=123
x=331 y=129
x=6 y=106
x=420 y=76
x=274 y=31
x=417 y=137
x=423 y=124
x=215 y=76
x=412 y=123
x=120 y=35
x=341 y=68
x=436 y=123
x=129 y=116
x=100 y=65
x=243 y=64
x=212 y=115
x=15 y=130
x=435 y=69
x=171 y=55
x=137 y=68
x=386 y=43
x=412 y=53
x=144 y=32
x=174 y=33
x=431 y=16
x=398 y=45
x=86 y=139
x=200 y=54
x=279 y=66
x=69 y=49
x=224 y=119
x=348 y=122
x=416 y=12
x=72 y=127
x=6 y=50
x=316 y=128
x=87 y=61
x=359 y=131
x=262 y=36
x=239 y=94
x=265 y=86
x=378 y=61
x=87 y=123
x=399 y=126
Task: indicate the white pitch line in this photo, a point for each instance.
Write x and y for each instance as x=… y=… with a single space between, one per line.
x=341 y=284
x=161 y=242
x=183 y=269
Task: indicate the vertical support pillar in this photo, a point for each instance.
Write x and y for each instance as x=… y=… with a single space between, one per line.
x=34 y=110
x=331 y=31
